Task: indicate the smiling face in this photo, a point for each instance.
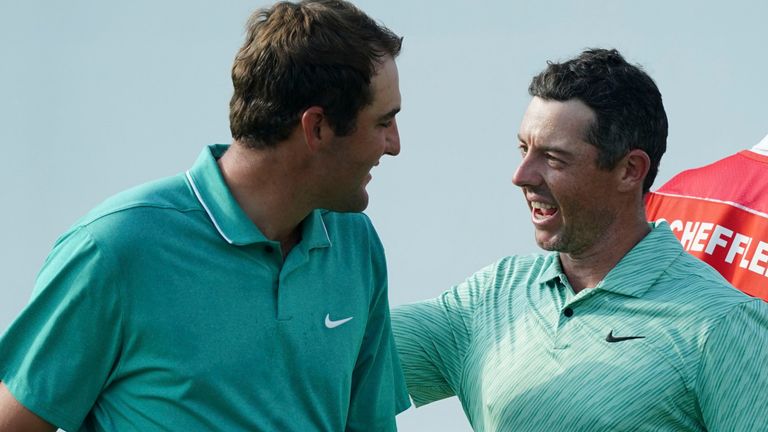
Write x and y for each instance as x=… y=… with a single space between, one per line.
x=573 y=203
x=352 y=157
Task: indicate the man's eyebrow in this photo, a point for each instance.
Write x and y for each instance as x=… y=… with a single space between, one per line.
x=390 y=115
x=556 y=150
x=548 y=148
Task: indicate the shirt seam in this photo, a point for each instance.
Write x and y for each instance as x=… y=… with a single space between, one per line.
x=712 y=328
x=91 y=221
x=119 y=363
x=716 y=201
x=690 y=386
x=46 y=412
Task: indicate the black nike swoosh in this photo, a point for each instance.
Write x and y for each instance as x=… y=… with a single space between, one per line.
x=611 y=338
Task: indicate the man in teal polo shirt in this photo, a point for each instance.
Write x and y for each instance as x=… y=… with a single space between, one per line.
x=224 y=298
x=617 y=328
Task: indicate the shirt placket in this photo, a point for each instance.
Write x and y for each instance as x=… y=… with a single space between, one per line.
x=569 y=312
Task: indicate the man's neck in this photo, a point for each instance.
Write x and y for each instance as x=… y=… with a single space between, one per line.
x=263 y=182
x=586 y=269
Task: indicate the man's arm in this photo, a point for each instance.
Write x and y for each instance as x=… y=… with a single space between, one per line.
x=378 y=386
x=433 y=337
x=732 y=381
x=57 y=355
x=428 y=350
x=14 y=417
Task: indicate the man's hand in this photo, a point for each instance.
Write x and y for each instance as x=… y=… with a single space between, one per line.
x=14 y=417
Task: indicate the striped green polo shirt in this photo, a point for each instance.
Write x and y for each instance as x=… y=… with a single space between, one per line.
x=663 y=343
x=166 y=309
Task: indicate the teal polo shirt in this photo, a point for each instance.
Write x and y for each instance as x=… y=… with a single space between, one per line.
x=663 y=343
x=165 y=308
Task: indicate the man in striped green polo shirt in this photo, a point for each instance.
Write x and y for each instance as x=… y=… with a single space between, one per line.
x=617 y=328
x=249 y=293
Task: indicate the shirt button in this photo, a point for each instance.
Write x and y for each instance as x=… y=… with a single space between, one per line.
x=269 y=249
x=568 y=312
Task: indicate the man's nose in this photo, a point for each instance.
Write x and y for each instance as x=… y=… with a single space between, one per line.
x=526 y=174
x=393 y=140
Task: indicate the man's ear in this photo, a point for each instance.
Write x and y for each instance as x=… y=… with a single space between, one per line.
x=633 y=168
x=313 y=125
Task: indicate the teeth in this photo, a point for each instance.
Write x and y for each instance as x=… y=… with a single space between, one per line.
x=541 y=205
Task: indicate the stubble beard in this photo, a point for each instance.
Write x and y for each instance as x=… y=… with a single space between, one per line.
x=578 y=236
x=353 y=202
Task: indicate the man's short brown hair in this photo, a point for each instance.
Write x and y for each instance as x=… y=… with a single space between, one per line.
x=297 y=55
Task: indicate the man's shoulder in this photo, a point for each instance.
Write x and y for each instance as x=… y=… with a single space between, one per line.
x=140 y=207
x=704 y=181
x=527 y=267
x=527 y=260
x=346 y=219
x=691 y=281
x=514 y=272
x=342 y=225
x=702 y=172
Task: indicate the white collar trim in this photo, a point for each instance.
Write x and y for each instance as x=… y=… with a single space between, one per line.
x=761 y=147
x=210 y=215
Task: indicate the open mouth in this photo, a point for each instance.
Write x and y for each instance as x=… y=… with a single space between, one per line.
x=542 y=211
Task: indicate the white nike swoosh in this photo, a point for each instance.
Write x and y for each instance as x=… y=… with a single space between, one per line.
x=333 y=324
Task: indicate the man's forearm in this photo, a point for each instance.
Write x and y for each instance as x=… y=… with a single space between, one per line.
x=15 y=417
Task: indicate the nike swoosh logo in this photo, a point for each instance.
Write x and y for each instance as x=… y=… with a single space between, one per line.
x=611 y=338
x=333 y=324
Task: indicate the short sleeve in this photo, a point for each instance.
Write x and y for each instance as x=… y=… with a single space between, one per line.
x=378 y=386
x=732 y=382
x=433 y=337
x=56 y=357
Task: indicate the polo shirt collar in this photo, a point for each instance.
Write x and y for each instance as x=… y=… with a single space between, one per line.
x=653 y=254
x=225 y=213
x=314 y=233
x=552 y=269
x=639 y=270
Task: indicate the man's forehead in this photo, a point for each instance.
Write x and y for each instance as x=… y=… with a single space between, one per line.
x=568 y=110
x=551 y=117
x=385 y=89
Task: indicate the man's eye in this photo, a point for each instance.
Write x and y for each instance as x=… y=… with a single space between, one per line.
x=523 y=149
x=552 y=159
x=386 y=124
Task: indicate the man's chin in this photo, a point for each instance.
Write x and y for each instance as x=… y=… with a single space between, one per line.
x=548 y=242
x=547 y=247
x=355 y=204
